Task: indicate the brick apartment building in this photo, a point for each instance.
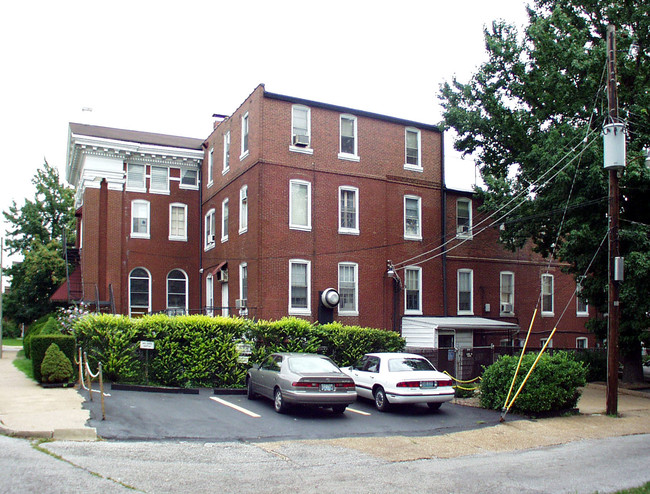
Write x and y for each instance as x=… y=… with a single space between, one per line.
x=287 y=198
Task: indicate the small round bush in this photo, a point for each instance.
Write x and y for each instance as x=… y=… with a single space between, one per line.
x=56 y=367
x=552 y=386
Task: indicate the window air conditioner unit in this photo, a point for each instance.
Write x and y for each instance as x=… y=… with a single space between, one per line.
x=507 y=308
x=301 y=140
x=240 y=303
x=211 y=239
x=463 y=229
x=222 y=275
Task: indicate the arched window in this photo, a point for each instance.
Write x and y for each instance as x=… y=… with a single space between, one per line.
x=139 y=292
x=176 y=292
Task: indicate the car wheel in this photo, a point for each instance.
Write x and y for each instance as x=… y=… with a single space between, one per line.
x=339 y=409
x=434 y=406
x=278 y=401
x=381 y=402
x=250 y=394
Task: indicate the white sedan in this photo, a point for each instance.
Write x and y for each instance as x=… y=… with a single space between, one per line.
x=395 y=378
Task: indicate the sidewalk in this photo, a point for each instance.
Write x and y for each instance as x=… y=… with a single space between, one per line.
x=28 y=410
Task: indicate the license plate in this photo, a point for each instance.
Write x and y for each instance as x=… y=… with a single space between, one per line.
x=428 y=384
x=327 y=387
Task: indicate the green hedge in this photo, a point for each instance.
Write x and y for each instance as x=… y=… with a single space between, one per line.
x=41 y=342
x=34 y=329
x=552 y=386
x=202 y=351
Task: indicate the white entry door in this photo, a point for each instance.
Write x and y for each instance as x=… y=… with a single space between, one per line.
x=224 y=299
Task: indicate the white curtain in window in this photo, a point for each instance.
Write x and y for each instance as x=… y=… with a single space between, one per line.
x=299 y=204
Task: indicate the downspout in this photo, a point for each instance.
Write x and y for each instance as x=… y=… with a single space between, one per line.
x=443 y=237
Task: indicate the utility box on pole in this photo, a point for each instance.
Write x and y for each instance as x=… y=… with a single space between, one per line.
x=614 y=146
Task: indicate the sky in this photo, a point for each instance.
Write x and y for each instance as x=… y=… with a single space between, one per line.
x=168 y=66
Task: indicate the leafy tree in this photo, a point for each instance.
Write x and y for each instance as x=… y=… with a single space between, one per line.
x=45 y=218
x=36 y=232
x=33 y=281
x=532 y=116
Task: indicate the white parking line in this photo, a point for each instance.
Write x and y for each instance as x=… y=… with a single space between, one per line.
x=235 y=407
x=348 y=409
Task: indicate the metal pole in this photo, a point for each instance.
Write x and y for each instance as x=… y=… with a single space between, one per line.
x=613 y=309
x=2 y=248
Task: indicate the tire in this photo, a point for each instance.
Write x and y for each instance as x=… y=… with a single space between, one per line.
x=381 y=402
x=339 y=409
x=250 y=394
x=278 y=401
x=434 y=406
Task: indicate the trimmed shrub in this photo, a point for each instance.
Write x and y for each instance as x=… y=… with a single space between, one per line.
x=113 y=341
x=289 y=334
x=552 y=386
x=33 y=329
x=56 y=367
x=347 y=344
x=202 y=351
x=39 y=345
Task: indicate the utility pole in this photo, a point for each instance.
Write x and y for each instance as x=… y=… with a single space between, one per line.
x=613 y=308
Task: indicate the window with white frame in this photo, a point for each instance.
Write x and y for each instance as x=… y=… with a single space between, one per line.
x=135 y=177
x=189 y=178
x=139 y=292
x=243 y=209
x=209 y=230
x=507 y=293
x=177 y=291
x=243 y=281
x=244 y=136
x=300 y=205
x=224 y=220
x=412 y=218
x=159 y=181
x=413 y=290
x=210 y=167
x=542 y=342
x=177 y=221
x=464 y=217
x=582 y=308
x=226 y=153
x=209 y=295
x=300 y=128
x=140 y=219
x=348 y=138
x=299 y=287
x=413 y=159
x=548 y=302
x=349 y=210
x=348 y=289
x=465 y=292
x=582 y=343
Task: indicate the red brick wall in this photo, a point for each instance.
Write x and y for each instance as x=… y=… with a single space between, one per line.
x=110 y=253
x=269 y=243
x=488 y=258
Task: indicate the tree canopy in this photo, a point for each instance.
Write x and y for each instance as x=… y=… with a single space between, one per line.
x=36 y=232
x=532 y=118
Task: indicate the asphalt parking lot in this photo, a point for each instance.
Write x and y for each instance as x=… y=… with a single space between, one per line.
x=138 y=415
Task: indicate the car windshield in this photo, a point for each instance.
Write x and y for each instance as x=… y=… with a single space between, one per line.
x=409 y=364
x=302 y=365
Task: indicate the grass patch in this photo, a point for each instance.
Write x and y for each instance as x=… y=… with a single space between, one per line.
x=12 y=341
x=644 y=489
x=24 y=364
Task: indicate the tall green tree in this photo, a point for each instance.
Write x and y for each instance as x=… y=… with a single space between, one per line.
x=36 y=232
x=532 y=118
x=46 y=217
